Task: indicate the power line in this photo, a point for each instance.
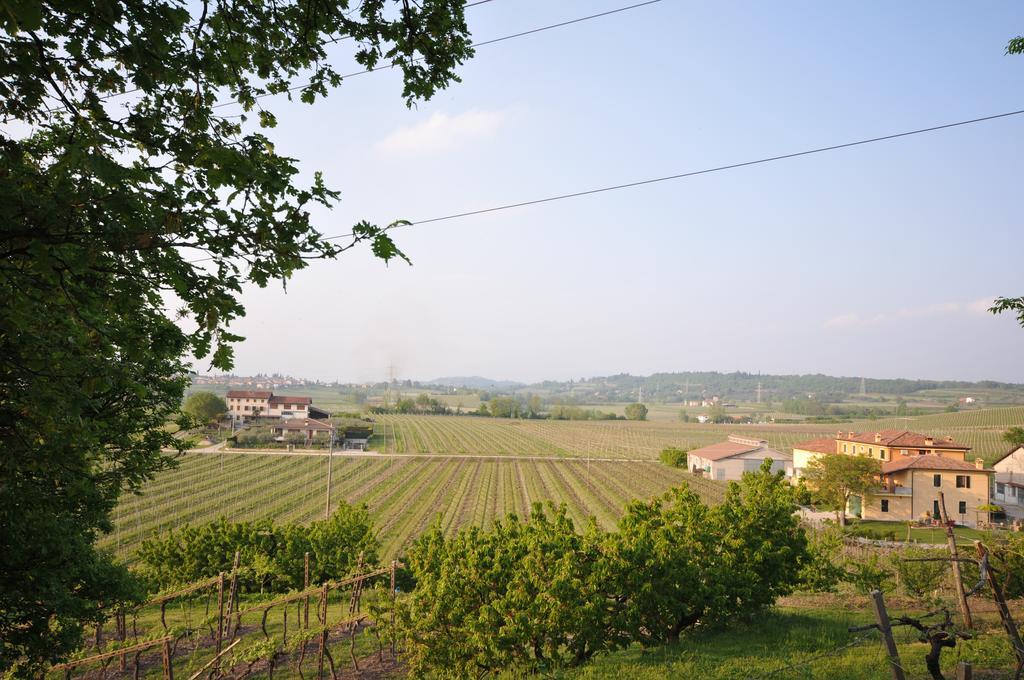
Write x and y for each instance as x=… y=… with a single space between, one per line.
x=692 y=173
x=473 y=45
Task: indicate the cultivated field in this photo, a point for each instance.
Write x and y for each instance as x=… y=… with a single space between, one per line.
x=404 y=494
x=461 y=435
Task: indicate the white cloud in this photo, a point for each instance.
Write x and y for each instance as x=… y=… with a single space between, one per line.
x=442 y=132
x=944 y=308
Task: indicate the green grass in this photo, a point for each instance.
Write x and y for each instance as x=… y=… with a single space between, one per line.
x=937 y=535
x=794 y=643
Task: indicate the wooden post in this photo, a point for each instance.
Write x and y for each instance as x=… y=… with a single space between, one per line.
x=964 y=671
x=220 y=612
x=233 y=592
x=394 y=596
x=122 y=635
x=305 y=586
x=1004 y=611
x=958 y=583
x=168 y=665
x=882 y=618
x=323 y=634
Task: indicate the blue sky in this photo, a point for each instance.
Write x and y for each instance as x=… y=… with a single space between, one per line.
x=878 y=260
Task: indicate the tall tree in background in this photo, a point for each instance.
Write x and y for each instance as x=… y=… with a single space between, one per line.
x=837 y=477
x=205 y=407
x=122 y=185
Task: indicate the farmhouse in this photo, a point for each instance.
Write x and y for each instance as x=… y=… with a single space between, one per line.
x=915 y=468
x=247 y=404
x=910 y=487
x=805 y=452
x=309 y=428
x=1009 y=483
x=728 y=460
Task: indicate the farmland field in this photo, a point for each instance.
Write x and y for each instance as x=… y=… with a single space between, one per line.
x=404 y=494
x=467 y=435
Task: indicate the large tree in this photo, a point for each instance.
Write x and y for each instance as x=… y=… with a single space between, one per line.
x=205 y=407
x=1014 y=305
x=837 y=477
x=124 y=185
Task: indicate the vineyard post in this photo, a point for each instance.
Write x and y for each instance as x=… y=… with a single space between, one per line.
x=394 y=597
x=330 y=461
x=882 y=617
x=1004 y=612
x=305 y=586
x=168 y=666
x=220 y=611
x=958 y=583
x=233 y=591
x=964 y=671
x=323 y=634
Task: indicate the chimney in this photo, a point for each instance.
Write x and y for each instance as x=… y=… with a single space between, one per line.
x=949 y=440
x=928 y=441
x=849 y=434
x=839 y=434
x=979 y=463
x=878 y=437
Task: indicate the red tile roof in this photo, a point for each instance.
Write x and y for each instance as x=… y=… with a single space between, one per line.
x=817 y=445
x=304 y=424
x=279 y=399
x=929 y=462
x=250 y=394
x=901 y=438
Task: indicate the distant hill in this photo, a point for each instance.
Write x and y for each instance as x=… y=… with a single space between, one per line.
x=476 y=382
x=677 y=387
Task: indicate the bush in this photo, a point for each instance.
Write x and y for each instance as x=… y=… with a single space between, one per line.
x=920 y=578
x=870 y=574
x=821 y=571
x=272 y=556
x=673 y=457
x=537 y=595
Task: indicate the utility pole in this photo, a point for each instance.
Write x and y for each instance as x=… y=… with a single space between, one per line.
x=863 y=391
x=330 y=462
x=758 y=391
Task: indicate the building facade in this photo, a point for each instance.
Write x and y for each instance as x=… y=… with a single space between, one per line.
x=1008 y=489
x=914 y=469
x=251 y=404
x=728 y=460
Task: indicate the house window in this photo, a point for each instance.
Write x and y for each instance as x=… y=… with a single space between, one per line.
x=963 y=482
x=246 y=408
x=935 y=509
x=844 y=448
x=921 y=452
x=903 y=452
x=885 y=505
x=1000 y=489
x=963 y=507
x=936 y=480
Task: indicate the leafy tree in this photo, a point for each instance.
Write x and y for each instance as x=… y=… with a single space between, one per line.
x=523 y=594
x=822 y=571
x=636 y=412
x=673 y=457
x=1014 y=436
x=205 y=407
x=111 y=205
x=920 y=578
x=836 y=478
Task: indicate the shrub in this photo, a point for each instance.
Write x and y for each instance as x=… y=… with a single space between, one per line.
x=673 y=457
x=821 y=570
x=920 y=578
x=536 y=595
x=272 y=556
x=870 y=574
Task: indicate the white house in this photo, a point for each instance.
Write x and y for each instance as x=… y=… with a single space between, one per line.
x=1009 y=483
x=728 y=460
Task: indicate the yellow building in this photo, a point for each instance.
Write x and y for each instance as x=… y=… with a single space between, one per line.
x=915 y=468
x=910 y=487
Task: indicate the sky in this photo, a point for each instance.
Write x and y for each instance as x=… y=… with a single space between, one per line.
x=879 y=260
